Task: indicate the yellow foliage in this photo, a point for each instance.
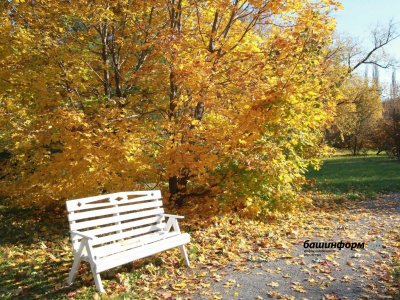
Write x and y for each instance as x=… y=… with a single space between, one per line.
x=99 y=97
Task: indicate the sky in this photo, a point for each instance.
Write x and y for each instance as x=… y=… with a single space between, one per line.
x=359 y=17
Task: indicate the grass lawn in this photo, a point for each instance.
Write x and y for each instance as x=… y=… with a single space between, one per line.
x=357 y=176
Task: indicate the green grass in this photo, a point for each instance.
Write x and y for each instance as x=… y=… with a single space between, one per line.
x=357 y=176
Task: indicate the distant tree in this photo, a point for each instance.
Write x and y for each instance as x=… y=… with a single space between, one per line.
x=389 y=129
x=357 y=125
x=375 y=75
x=357 y=119
x=394 y=87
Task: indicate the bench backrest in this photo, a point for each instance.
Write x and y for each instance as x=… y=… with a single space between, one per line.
x=116 y=217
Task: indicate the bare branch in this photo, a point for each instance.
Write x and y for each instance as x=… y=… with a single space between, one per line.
x=381 y=38
x=97 y=74
x=383 y=66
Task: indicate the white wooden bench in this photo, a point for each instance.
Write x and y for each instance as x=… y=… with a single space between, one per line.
x=111 y=230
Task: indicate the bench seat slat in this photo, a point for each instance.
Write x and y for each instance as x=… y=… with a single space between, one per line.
x=110 y=220
x=141 y=252
x=131 y=243
x=127 y=234
x=113 y=210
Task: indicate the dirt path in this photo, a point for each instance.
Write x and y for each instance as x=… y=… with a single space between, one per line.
x=291 y=273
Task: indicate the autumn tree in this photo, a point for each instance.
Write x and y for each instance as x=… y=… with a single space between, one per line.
x=357 y=119
x=388 y=133
x=222 y=98
x=350 y=129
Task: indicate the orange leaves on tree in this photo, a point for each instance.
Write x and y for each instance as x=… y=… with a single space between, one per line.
x=194 y=98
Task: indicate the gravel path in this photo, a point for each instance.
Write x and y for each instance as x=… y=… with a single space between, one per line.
x=341 y=274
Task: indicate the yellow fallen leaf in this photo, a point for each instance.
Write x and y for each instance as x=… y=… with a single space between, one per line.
x=273 y=284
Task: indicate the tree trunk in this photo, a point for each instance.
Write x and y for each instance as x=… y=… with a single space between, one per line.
x=117 y=78
x=173 y=180
x=175 y=13
x=355 y=146
x=104 y=56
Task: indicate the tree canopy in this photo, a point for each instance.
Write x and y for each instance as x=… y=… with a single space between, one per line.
x=222 y=98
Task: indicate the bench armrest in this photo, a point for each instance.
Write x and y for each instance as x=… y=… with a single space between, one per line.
x=172 y=216
x=172 y=222
x=82 y=234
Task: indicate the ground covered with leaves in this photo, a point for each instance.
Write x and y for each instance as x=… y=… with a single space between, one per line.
x=231 y=257
x=286 y=270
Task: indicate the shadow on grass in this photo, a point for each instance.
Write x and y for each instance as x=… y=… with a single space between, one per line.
x=36 y=257
x=24 y=280
x=27 y=225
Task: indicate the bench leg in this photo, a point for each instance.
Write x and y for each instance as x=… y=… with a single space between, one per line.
x=98 y=283
x=96 y=277
x=184 y=255
x=75 y=264
x=74 y=269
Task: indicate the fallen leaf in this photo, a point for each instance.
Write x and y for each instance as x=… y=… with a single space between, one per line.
x=273 y=284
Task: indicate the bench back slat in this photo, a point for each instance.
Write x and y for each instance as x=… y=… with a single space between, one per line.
x=111 y=220
x=123 y=226
x=114 y=209
x=116 y=217
x=103 y=200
